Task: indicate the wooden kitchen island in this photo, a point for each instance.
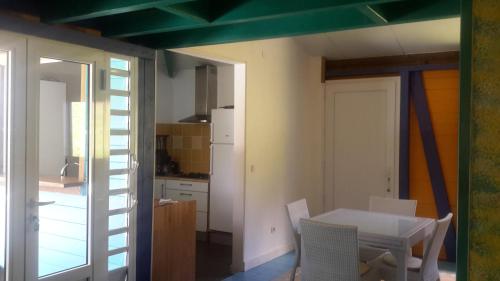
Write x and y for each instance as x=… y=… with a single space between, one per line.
x=174 y=241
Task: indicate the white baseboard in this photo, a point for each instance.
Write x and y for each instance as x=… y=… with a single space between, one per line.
x=272 y=254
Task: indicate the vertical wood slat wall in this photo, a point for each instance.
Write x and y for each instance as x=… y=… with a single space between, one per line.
x=442 y=91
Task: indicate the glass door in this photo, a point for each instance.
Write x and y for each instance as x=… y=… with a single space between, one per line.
x=12 y=154
x=59 y=156
x=4 y=152
x=81 y=164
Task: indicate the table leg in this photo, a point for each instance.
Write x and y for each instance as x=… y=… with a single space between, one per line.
x=401 y=257
x=427 y=242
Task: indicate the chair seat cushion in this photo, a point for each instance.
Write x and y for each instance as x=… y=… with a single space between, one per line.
x=363 y=268
x=414 y=263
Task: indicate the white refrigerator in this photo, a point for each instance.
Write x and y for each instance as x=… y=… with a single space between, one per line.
x=221 y=171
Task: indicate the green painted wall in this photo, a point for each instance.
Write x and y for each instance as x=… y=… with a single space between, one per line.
x=484 y=224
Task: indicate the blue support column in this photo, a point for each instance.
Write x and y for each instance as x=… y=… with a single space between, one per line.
x=404 y=137
x=431 y=154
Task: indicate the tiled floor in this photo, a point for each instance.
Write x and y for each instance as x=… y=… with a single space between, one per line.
x=281 y=265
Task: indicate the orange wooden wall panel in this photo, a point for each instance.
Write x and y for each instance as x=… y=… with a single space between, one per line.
x=441 y=87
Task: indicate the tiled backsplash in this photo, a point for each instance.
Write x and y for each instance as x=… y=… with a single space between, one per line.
x=188 y=145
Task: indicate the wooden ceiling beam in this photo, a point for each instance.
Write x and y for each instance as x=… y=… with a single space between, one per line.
x=339 y=68
x=65 y=11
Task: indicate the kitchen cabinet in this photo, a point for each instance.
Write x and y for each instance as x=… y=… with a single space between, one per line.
x=186 y=190
x=223 y=126
x=174 y=241
x=159 y=189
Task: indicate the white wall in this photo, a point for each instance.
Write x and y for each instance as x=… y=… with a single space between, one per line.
x=225 y=85
x=164 y=94
x=52 y=121
x=284 y=142
x=69 y=74
x=176 y=96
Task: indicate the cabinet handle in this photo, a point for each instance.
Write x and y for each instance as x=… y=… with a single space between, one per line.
x=187 y=184
x=186 y=194
x=211 y=160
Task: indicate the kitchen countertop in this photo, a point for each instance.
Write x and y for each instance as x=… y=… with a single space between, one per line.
x=60 y=182
x=182 y=179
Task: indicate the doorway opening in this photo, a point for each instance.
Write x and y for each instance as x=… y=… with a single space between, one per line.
x=200 y=109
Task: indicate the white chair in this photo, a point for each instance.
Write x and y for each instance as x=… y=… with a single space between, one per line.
x=428 y=269
x=330 y=252
x=296 y=211
x=400 y=207
x=392 y=206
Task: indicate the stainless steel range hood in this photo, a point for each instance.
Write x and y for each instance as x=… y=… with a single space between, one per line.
x=205 y=94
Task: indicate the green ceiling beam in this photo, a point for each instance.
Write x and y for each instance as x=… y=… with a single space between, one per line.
x=248 y=11
x=373 y=13
x=339 y=19
x=266 y=9
x=152 y=20
x=298 y=24
x=417 y=10
x=65 y=11
x=198 y=11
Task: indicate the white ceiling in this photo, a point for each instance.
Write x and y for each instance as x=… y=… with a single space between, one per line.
x=391 y=40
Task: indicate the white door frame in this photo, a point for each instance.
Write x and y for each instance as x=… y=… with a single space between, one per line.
x=24 y=54
x=240 y=69
x=99 y=119
x=15 y=243
x=372 y=84
x=103 y=104
x=47 y=48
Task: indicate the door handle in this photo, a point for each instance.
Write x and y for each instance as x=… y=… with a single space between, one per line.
x=133 y=202
x=134 y=164
x=389 y=189
x=36 y=223
x=211 y=160
x=34 y=203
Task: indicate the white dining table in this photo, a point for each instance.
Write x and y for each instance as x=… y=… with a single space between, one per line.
x=386 y=231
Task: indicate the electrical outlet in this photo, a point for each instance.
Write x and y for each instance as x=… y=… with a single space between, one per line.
x=273 y=229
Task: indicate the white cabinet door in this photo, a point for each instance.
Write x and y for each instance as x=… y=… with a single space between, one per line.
x=362 y=141
x=222 y=125
x=221 y=188
x=187 y=185
x=201 y=198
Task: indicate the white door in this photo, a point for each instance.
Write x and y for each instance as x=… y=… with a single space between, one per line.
x=59 y=178
x=361 y=141
x=12 y=155
x=80 y=182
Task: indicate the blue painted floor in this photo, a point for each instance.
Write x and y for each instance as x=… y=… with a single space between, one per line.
x=268 y=271
x=279 y=266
